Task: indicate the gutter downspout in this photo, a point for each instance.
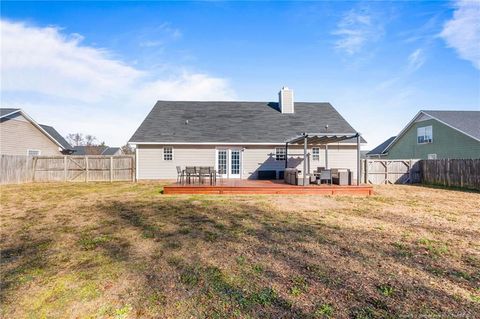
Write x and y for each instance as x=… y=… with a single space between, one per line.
x=286 y=155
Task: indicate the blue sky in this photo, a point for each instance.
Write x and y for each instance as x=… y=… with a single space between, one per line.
x=98 y=68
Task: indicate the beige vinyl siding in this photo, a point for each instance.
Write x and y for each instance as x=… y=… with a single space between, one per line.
x=152 y=166
x=17 y=135
x=257 y=158
x=342 y=156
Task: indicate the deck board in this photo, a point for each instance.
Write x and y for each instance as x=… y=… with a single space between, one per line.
x=239 y=187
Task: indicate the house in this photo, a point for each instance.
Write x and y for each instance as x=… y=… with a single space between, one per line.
x=21 y=135
x=434 y=135
x=97 y=150
x=239 y=139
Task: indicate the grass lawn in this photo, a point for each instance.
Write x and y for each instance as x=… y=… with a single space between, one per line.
x=124 y=250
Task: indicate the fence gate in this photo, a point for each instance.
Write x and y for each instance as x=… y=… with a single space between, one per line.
x=377 y=171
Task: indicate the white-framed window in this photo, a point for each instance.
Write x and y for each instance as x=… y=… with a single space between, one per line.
x=31 y=152
x=424 y=135
x=280 y=154
x=167 y=153
x=315 y=153
x=432 y=156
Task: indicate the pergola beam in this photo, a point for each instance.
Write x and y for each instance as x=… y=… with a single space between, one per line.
x=322 y=138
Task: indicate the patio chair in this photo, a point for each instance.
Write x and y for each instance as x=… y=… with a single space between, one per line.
x=213 y=175
x=190 y=174
x=180 y=175
x=202 y=173
x=316 y=174
x=326 y=175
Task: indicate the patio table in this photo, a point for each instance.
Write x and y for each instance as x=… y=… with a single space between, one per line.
x=192 y=172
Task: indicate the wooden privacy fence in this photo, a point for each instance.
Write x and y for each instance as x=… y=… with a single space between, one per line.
x=18 y=169
x=452 y=172
x=447 y=172
x=377 y=171
x=15 y=169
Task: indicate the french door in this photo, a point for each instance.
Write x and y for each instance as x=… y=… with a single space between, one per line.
x=229 y=162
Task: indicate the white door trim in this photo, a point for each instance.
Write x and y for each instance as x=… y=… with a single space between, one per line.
x=229 y=161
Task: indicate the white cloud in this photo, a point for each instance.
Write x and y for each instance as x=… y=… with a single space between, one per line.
x=355 y=30
x=462 y=32
x=416 y=59
x=54 y=77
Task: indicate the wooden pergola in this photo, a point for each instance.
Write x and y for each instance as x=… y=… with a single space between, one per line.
x=322 y=139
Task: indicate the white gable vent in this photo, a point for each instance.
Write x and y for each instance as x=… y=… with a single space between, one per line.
x=285 y=100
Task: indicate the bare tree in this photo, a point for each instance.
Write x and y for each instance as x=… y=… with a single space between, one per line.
x=90 y=140
x=75 y=139
x=87 y=140
x=127 y=149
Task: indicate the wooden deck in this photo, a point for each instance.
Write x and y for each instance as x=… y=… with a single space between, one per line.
x=238 y=187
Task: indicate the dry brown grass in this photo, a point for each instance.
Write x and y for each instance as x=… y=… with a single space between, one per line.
x=125 y=250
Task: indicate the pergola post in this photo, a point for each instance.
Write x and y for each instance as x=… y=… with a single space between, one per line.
x=358 y=159
x=326 y=156
x=286 y=155
x=305 y=140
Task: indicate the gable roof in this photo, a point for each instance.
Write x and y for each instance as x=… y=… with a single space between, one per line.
x=466 y=122
x=380 y=149
x=7 y=111
x=49 y=131
x=59 y=138
x=234 y=122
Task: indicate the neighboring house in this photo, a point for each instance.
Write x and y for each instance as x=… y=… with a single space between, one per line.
x=378 y=151
x=21 y=135
x=239 y=139
x=97 y=150
x=435 y=135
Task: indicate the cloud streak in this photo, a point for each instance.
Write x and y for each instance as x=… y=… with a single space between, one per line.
x=49 y=71
x=416 y=59
x=355 y=30
x=462 y=32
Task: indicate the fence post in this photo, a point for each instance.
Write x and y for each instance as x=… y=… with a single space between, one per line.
x=86 y=168
x=65 y=168
x=26 y=170
x=366 y=171
x=111 y=168
x=132 y=166
x=34 y=168
x=410 y=171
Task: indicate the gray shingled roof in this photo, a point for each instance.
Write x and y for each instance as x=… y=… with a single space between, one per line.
x=465 y=121
x=89 y=150
x=235 y=122
x=5 y=111
x=59 y=138
x=380 y=149
x=110 y=150
x=95 y=150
